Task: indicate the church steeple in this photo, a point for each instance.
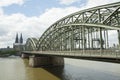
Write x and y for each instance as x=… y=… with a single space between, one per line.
x=18 y=45
x=21 y=39
x=16 y=39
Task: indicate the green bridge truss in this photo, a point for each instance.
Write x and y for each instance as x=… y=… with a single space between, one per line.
x=31 y=44
x=86 y=29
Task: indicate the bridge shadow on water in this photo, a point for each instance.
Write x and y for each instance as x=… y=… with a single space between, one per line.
x=43 y=72
x=58 y=71
x=88 y=70
x=62 y=72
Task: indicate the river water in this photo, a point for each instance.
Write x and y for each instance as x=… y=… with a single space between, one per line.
x=15 y=68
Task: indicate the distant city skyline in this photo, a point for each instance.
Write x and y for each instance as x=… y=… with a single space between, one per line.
x=33 y=17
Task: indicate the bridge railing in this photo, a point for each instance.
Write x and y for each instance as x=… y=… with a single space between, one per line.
x=84 y=53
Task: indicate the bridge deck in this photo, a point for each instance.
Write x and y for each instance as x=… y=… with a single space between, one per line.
x=113 y=54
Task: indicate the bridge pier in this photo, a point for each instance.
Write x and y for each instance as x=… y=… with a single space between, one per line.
x=24 y=55
x=35 y=61
x=38 y=61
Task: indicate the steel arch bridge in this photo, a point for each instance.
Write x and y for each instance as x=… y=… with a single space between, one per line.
x=31 y=44
x=83 y=30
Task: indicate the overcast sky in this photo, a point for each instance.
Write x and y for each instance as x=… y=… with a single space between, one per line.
x=33 y=17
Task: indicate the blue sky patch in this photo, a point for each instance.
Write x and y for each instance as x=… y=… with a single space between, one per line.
x=37 y=7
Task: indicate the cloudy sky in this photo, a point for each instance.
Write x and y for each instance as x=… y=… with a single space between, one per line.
x=33 y=17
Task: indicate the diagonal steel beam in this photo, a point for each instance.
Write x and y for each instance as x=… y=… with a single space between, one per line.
x=111 y=15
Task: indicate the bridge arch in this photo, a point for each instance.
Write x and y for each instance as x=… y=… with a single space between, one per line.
x=99 y=19
x=31 y=44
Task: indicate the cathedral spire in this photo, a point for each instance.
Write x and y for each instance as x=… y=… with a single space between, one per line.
x=21 y=39
x=16 y=40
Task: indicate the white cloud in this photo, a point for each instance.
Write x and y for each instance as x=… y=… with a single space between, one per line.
x=93 y=3
x=1 y=11
x=29 y=26
x=67 y=2
x=53 y=14
x=33 y=26
x=9 y=2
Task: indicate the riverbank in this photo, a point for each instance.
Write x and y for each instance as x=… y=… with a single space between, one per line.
x=7 y=53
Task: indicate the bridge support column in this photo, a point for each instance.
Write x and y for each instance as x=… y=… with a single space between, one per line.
x=38 y=61
x=118 y=37
x=24 y=55
x=101 y=39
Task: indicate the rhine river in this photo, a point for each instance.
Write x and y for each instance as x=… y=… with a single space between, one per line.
x=15 y=68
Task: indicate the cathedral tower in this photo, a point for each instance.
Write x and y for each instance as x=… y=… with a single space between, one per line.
x=16 y=39
x=18 y=45
x=21 y=39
